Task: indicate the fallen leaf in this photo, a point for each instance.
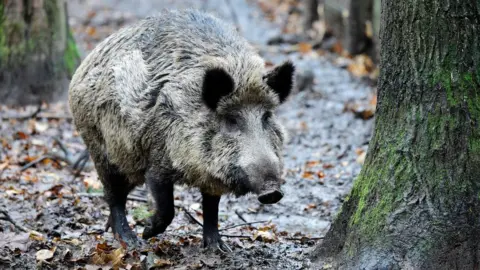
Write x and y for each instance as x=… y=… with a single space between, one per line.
x=373 y=100
x=359 y=151
x=362 y=65
x=264 y=236
x=361 y=158
x=154 y=262
x=337 y=48
x=312 y=163
x=320 y=174
x=4 y=165
x=161 y=262
x=195 y=206
x=21 y=135
x=303 y=125
x=310 y=206
x=304 y=47
x=44 y=254
x=327 y=166
x=40 y=126
x=91 y=14
x=92 y=183
x=308 y=175
x=14 y=241
x=91 y=31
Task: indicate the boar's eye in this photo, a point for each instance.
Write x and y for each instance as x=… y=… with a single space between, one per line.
x=266 y=116
x=231 y=123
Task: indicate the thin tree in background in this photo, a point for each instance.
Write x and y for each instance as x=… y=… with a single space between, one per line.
x=37 y=51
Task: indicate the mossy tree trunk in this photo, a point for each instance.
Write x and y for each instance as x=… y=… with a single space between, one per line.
x=415 y=205
x=37 y=51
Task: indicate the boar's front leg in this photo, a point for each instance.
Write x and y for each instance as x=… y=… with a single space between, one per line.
x=162 y=192
x=211 y=236
x=116 y=188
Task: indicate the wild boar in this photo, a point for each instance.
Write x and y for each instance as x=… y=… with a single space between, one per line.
x=180 y=98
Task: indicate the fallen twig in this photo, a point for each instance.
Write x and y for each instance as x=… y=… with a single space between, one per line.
x=62 y=146
x=99 y=194
x=39 y=115
x=26 y=117
x=7 y=217
x=235 y=236
x=190 y=216
x=303 y=238
x=52 y=156
x=240 y=225
x=240 y=216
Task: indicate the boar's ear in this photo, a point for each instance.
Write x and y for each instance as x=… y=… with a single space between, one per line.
x=217 y=83
x=280 y=79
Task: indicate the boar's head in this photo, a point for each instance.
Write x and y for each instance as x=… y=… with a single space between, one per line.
x=244 y=140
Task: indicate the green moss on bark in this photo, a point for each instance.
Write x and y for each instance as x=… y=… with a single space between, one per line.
x=71 y=57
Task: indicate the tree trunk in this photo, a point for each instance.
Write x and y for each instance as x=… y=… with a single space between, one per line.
x=415 y=205
x=356 y=40
x=310 y=14
x=37 y=51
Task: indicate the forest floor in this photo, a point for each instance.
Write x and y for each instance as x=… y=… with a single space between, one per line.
x=53 y=220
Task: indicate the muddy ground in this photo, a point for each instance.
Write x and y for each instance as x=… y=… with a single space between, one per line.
x=60 y=218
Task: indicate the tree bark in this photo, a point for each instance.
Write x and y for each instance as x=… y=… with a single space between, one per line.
x=37 y=51
x=415 y=204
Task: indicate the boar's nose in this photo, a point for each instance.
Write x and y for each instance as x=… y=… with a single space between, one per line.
x=270 y=197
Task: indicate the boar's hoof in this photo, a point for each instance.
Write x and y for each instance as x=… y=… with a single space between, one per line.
x=127 y=239
x=270 y=197
x=217 y=245
x=122 y=233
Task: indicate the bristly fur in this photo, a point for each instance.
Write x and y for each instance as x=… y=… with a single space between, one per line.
x=140 y=100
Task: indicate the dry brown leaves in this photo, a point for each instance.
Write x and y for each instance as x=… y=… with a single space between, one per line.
x=363 y=110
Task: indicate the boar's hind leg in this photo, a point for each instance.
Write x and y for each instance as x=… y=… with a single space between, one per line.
x=211 y=236
x=116 y=188
x=162 y=192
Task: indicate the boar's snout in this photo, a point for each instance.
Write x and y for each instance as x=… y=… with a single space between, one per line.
x=270 y=197
x=264 y=172
x=270 y=193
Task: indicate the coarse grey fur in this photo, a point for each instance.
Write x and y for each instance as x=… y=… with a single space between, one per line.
x=138 y=101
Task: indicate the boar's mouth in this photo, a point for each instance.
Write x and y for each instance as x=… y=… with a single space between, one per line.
x=270 y=197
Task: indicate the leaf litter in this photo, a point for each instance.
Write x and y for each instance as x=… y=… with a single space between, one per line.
x=64 y=218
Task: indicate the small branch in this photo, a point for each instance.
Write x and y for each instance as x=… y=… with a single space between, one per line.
x=98 y=194
x=190 y=216
x=240 y=216
x=7 y=217
x=303 y=238
x=39 y=115
x=62 y=146
x=240 y=225
x=26 y=117
x=51 y=156
x=236 y=236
